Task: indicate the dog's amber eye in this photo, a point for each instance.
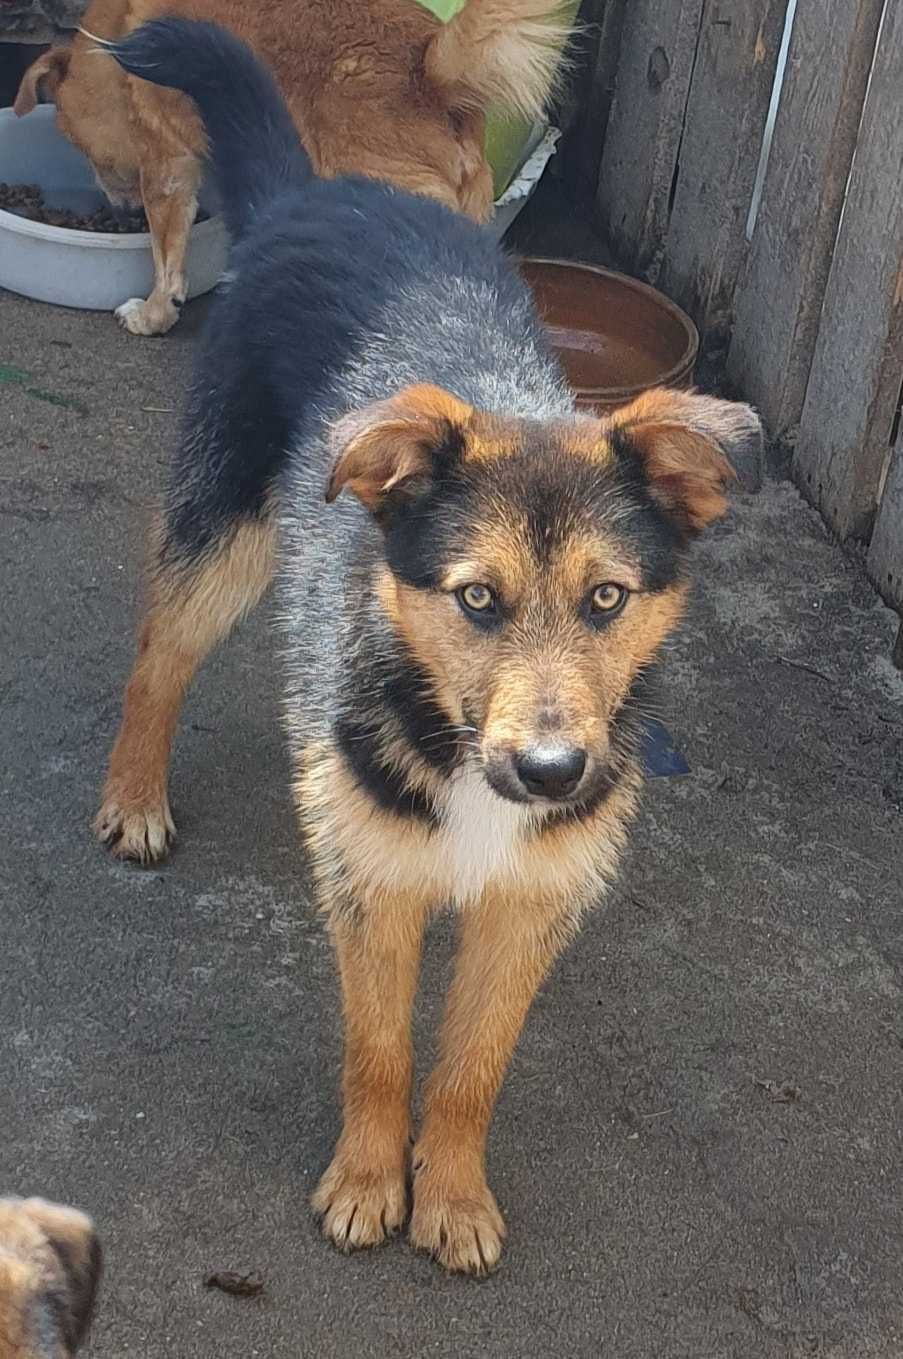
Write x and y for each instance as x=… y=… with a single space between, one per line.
x=477 y=598
x=608 y=598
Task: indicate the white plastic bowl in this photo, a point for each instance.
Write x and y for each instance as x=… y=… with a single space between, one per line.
x=88 y=269
x=96 y=271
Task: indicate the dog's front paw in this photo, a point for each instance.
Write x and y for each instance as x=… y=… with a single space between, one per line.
x=155 y=316
x=360 y=1205
x=142 y=831
x=457 y=1220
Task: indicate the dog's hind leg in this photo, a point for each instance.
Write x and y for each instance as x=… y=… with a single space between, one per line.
x=212 y=559
x=169 y=193
x=194 y=604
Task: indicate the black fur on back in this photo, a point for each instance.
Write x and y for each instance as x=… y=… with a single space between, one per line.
x=340 y=293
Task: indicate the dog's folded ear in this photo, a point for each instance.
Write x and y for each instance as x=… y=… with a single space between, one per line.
x=42 y=76
x=684 y=443
x=72 y=1237
x=390 y=447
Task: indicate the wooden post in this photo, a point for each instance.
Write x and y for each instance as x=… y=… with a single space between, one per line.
x=854 y=385
x=779 y=301
x=639 y=159
x=719 y=154
x=584 y=116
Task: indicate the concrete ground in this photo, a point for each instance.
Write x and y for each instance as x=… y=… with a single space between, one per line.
x=698 y=1148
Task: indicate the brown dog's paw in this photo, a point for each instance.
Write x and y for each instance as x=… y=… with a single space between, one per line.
x=360 y=1206
x=464 y=1231
x=140 y=832
x=152 y=317
x=50 y=1266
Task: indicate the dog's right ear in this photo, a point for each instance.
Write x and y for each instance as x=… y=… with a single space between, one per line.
x=72 y=1238
x=50 y=67
x=683 y=443
x=391 y=446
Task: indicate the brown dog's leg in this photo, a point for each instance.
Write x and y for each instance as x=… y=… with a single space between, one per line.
x=362 y=1196
x=507 y=945
x=192 y=608
x=169 y=192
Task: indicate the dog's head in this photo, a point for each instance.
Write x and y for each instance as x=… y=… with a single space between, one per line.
x=534 y=569
x=49 y=1272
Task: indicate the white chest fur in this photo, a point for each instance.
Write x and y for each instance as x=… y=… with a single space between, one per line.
x=482 y=835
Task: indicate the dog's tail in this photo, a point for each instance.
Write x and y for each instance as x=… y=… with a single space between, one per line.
x=254 y=145
x=504 y=52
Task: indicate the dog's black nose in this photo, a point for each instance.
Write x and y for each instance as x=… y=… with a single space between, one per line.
x=551 y=770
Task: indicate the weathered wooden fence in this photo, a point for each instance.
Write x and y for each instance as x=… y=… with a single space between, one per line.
x=790 y=259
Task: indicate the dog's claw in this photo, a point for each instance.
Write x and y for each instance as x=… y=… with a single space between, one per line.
x=360 y=1209
x=464 y=1234
x=143 y=834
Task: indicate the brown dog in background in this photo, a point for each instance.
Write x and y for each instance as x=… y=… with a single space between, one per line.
x=49 y=1272
x=382 y=89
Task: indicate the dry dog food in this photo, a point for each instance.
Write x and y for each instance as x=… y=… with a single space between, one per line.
x=27 y=200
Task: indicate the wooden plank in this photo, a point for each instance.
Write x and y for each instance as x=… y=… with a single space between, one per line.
x=658 y=48
x=885 y=557
x=719 y=155
x=598 y=51
x=779 y=301
x=853 y=388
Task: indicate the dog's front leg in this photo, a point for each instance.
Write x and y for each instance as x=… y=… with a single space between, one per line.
x=169 y=193
x=362 y=1197
x=506 y=947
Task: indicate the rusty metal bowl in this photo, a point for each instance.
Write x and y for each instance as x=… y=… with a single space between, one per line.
x=615 y=337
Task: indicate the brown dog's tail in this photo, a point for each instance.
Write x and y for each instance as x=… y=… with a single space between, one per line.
x=502 y=52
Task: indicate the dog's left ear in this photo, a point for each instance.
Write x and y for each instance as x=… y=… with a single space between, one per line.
x=49 y=70
x=684 y=443
x=391 y=446
x=73 y=1240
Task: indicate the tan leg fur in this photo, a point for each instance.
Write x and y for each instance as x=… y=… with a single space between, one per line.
x=362 y=1196
x=169 y=193
x=506 y=948
x=189 y=613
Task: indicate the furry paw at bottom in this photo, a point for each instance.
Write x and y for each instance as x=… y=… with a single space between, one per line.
x=149 y=317
x=140 y=832
x=360 y=1207
x=463 y=1231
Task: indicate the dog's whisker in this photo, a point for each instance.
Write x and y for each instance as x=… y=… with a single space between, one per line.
x=448 y=731
x=458 y=745
x=86 y=33
x=444 y=735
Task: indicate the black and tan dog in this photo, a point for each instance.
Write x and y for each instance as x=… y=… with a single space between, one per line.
x=49 y=1271
x=468 y=628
